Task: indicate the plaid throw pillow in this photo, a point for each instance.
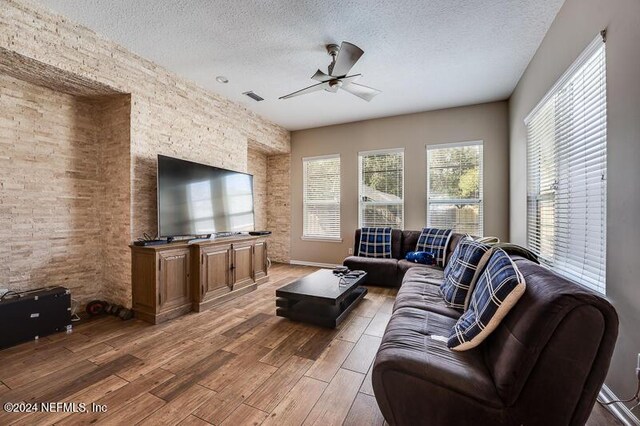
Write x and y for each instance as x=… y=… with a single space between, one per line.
x=435 y=241
x=496 y=292
x=459 y=273
x=375 y=242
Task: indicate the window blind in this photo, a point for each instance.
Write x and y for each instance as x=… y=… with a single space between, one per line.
x=454 y=187
x=566 y=172
x=321 y=197
x=381 y=188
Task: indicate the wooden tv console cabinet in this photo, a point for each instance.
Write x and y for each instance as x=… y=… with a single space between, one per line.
x=172 y=279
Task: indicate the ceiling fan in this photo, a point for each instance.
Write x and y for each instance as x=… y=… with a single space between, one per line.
x=344 y=57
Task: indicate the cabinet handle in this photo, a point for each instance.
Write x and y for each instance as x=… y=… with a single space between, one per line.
x=159 y=298
x=202 y=290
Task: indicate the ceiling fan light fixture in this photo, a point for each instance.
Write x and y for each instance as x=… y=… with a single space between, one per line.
x=222 y=79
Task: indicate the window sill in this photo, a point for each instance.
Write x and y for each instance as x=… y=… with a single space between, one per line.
x=322 y=239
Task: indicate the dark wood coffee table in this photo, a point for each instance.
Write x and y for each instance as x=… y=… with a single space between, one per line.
x=320 y=298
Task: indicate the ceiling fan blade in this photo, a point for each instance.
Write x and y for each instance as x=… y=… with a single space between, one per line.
x=363 y=92
x=320 y=76
x=349 y=80
x=347 y=57
x=310 y=89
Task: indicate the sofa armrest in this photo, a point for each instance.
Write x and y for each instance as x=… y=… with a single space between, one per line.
x=413 y=345
x=408 y=400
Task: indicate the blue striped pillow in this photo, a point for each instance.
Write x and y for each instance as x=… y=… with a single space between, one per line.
x=498 y=289
x=460 y=271
x=375 y=242
x=436 y=241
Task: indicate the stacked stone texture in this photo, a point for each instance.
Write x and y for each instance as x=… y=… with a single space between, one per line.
x=81 y=125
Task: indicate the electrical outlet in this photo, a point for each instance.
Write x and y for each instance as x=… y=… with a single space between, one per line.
x=350 y=251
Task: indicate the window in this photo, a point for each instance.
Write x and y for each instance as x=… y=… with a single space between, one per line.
x=566 y=172
x=321 y=197
x=454 y=187
x=381 y=188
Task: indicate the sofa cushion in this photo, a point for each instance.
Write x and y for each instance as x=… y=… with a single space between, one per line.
x=383 y=272
x=432 y=275
x=511 y=249
x=409 y=242
x=420 y=290
x=454 y=240
x=460 y=272
x=375 y=242
x=413 y=345
x=436 y=241
x=404 y=265
x=498 y=289
x=396 y=243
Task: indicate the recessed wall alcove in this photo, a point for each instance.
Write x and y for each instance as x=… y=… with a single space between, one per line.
x=65 y=182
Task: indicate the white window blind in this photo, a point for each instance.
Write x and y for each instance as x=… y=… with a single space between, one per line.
x=381 y=188
x=454 y=187
x=566 y=172
x=321 y=197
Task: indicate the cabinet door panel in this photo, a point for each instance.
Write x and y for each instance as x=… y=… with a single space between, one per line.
x=174 y=279
x=216 y=271
x=143 y=278
x=242 y=265
x=260 y=260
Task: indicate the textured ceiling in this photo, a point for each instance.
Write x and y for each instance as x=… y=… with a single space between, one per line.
x=423 y=55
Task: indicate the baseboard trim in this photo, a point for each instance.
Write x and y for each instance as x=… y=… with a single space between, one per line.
x=316 y=264
x=619 y=410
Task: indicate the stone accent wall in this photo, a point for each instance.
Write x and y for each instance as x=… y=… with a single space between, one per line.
x=113 y=115
x=257 y=166
x=168 y=115
x=279 y=206
x=50 y=189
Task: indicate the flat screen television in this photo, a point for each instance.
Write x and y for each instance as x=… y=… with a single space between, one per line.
x=195 y=199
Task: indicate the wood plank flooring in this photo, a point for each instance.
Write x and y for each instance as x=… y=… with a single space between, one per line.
x=235 y=364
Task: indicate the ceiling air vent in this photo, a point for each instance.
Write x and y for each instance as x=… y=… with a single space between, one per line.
x=253 y=96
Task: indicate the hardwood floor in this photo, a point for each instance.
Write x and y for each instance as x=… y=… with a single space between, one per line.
x=235 y=364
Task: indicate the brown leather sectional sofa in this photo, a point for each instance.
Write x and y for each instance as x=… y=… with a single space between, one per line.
x=543 y=365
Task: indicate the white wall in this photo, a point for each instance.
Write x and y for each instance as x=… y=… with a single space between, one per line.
x=577 y=23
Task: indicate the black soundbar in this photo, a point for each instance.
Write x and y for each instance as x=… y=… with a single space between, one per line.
x=146 y=243
x=259 y=232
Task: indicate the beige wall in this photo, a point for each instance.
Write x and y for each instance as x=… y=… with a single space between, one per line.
x=486 y=122
x=577 y=23
x=168 y=115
